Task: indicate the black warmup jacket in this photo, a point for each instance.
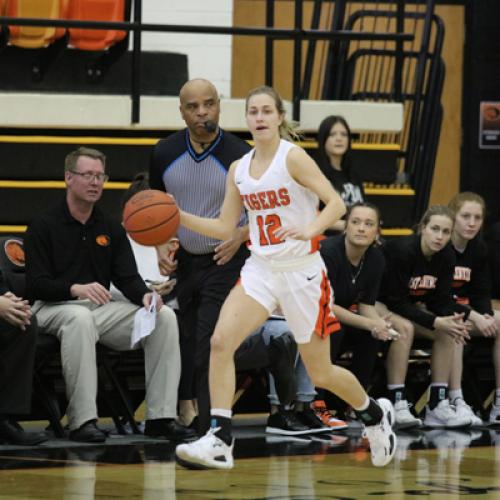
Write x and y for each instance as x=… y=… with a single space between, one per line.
x=410 y=278
x=472 y=279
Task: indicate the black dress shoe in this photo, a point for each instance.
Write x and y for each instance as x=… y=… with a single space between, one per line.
x=88 y=433
x=168 y=428
x=282 y=354
x=194 y=424
x=13 y=433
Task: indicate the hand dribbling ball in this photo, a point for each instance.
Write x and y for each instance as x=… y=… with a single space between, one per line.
x=151 y=217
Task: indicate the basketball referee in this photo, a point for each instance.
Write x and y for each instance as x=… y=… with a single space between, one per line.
x=192 y=165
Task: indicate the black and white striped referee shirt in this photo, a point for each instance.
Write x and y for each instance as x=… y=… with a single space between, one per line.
x=197 y=181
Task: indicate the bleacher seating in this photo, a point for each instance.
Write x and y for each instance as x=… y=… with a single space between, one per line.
x=35 y=37
x=96 y=10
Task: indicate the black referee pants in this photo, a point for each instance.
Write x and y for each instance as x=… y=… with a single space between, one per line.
x=201 y=290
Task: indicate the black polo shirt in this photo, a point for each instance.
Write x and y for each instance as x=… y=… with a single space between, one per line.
x=61 y=252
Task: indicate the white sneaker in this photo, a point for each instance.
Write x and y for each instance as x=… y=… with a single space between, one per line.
x=381 y=437
x=444 y=416
x=208 y=452
x=404 y=418
x=494 y=415
x=462 y=409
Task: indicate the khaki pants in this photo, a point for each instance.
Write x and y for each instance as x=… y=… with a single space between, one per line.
x=80 y=324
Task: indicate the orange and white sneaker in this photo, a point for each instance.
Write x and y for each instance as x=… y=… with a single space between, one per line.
x=324 y=414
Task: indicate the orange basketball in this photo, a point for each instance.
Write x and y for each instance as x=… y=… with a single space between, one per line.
x=151 y=217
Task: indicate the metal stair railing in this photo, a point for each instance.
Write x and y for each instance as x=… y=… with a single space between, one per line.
x=297 y=34
x=402 y=72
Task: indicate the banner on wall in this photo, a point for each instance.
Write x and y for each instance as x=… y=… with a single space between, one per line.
x=489 y=125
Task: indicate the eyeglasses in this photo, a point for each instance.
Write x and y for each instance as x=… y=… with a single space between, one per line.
x=90 y=176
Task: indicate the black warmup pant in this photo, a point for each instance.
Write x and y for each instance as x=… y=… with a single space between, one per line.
x=202 y=288
x=364 y=350
x=17 y=356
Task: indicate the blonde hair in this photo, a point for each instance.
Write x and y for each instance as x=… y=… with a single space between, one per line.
x=287 y=129
x=458 y=201
x=436 y=210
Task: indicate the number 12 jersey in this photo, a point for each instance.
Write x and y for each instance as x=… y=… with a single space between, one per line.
x=273 y=201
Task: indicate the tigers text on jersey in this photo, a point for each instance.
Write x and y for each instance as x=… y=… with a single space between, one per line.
x=273 y=201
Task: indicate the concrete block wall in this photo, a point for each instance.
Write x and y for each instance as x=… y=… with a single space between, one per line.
x=209 y=56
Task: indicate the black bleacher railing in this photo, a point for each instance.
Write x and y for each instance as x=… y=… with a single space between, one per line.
x=351 y=71
x=392 y=71
x=297 y=34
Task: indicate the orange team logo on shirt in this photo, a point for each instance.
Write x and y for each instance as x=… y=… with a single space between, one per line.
x=15 y=252
x=462 y=273
x=419 y=285
x=426 y=282
x=103 y=240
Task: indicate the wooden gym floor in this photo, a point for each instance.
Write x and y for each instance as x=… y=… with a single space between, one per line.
x=428 y=464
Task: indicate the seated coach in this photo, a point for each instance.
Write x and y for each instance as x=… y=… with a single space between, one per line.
x=73 y=252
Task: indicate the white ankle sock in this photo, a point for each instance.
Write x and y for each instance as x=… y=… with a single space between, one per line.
x=455 y=394
x=497 y=397
x=220 y=412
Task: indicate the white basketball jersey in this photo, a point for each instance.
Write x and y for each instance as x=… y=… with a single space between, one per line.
x=273 y=201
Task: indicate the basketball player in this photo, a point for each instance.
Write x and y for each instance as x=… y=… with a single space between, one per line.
x=417 y=289
x=472 y=287
x=279 y=185
x=355 y=268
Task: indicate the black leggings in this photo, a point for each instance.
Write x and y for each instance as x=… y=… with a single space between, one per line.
x=201 y=290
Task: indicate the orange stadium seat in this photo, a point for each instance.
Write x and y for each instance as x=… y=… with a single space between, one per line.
x=34 y=37
x=3 y=31
x=96 y=10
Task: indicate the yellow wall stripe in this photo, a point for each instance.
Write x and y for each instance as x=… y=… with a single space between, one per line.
x=12 y=229
x=151 y=141
x=389 y=191
x=397 y=232
x=385 y=232
x=54 y=185
x=124 y=185
x=41 y=139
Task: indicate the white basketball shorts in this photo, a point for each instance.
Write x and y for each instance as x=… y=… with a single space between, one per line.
x=299 y=286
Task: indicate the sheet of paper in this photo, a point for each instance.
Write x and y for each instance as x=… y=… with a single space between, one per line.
x=144 y=322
